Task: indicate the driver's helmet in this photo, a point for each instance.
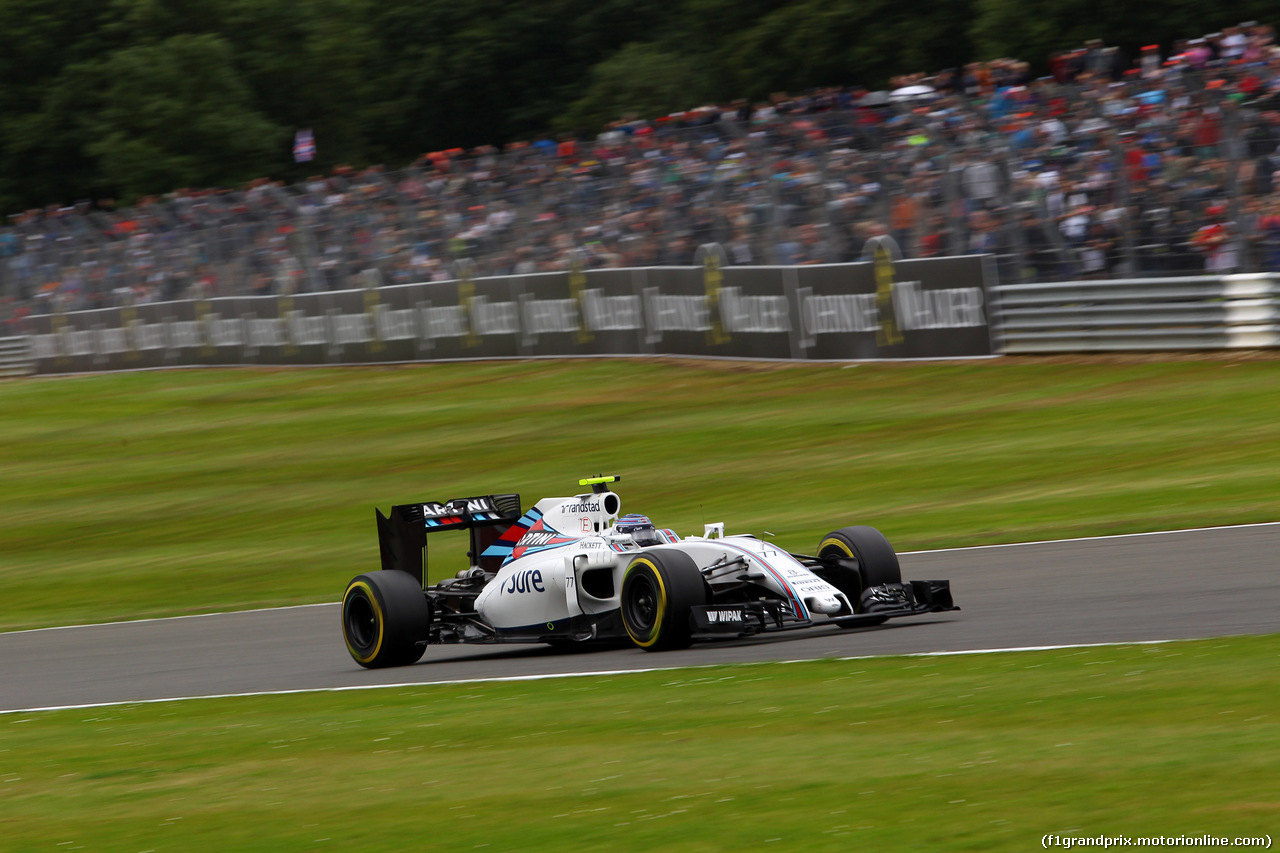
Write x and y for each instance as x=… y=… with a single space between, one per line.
x=640 y=528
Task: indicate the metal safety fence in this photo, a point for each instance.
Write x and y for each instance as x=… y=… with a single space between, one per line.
x=16 y=357
x=1165 y=314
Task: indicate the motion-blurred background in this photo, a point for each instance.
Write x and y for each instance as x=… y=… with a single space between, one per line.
x=160 y=150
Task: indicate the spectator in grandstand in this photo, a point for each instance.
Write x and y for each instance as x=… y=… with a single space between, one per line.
x=1214 y=241
x=1267 y=236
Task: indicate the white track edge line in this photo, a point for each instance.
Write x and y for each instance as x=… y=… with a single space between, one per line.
x=170 y=618
x=499 y=679
x=1098 y=538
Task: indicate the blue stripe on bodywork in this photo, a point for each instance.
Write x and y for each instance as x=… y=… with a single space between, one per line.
x=801 y=611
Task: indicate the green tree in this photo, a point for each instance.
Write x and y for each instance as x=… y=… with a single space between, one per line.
x=306 y=62
x=177 y=113
x=44 y=93
x=46 y=159
x=452 y=74
x=816 y=43
x=640 y=80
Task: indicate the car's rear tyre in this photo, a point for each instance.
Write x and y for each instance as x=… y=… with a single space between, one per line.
x=858 y=558
x=386 y=616
x=659 y=590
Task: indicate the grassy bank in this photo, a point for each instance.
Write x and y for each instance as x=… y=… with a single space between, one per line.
x=190 y=491
x=975 y=752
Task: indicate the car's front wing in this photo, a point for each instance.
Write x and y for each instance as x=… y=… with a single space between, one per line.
x=888 y=601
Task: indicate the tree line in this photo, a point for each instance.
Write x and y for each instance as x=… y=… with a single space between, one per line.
x=123 y=98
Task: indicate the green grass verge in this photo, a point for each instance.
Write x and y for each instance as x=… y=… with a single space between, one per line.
x=166 y=493
x=975 y=752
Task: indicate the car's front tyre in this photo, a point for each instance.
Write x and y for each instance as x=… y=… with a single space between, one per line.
x=857 y=558
x=386 y=618
x=659 y=590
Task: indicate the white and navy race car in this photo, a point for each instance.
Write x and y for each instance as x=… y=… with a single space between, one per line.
x=573 y=570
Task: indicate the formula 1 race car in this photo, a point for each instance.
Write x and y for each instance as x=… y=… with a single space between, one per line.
x=572 y=570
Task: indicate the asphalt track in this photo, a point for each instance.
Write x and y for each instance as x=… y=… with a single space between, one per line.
x=1177 y=585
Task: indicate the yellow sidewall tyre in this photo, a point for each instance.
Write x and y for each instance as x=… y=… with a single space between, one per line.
x=858 y=557
x=386 y=616
x=659 y=589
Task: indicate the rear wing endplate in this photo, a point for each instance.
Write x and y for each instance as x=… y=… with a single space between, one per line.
x=402 y=536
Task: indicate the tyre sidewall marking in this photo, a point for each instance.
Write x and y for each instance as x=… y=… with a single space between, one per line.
x=660 y=610
x=844 y=547
x=839 y=543
x=377 y=613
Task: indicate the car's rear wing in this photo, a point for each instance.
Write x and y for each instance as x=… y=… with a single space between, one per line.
x=402 y=536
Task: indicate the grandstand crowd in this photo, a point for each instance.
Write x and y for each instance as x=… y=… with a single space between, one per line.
x=1111 y=166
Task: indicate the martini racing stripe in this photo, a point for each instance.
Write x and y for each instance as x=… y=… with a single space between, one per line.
x=797 y=605
x=529 y=535
x=505 y=544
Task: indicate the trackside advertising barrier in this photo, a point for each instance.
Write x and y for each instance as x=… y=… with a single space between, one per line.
x=904 y=309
